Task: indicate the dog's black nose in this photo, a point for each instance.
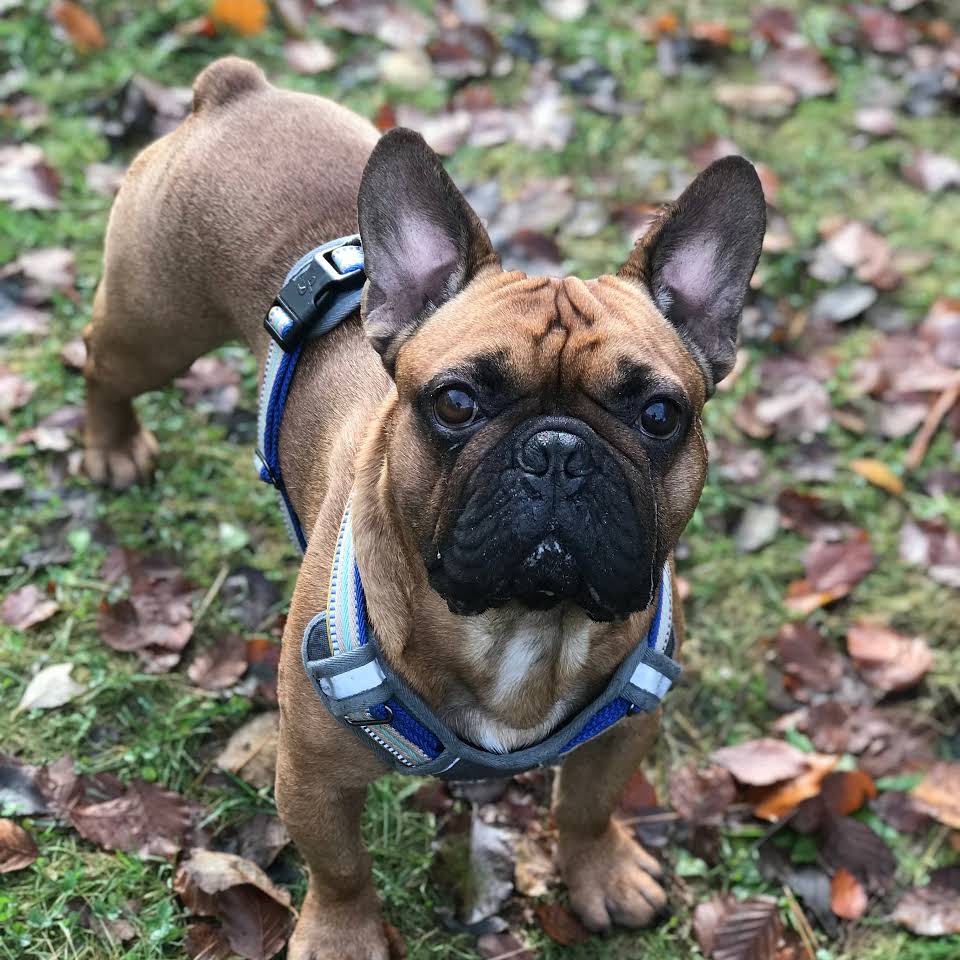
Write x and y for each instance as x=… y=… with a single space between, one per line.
x=555 y=459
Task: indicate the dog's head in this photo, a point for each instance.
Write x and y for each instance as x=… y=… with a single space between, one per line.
x=544 y=444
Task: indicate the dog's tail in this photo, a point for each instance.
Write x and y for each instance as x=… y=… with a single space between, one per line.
x=226 y=80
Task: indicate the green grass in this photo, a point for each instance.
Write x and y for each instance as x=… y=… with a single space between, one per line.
x=207 y=510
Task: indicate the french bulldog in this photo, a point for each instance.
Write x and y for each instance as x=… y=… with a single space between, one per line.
x=522 y=452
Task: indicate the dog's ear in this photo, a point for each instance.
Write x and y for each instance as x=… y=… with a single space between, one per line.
x=697 y=260
x=422 y=242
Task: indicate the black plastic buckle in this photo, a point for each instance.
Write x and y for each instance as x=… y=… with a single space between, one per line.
x=371 y=721
x=313 y=290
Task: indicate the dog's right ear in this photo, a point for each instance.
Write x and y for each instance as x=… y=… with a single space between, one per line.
x=422 y=243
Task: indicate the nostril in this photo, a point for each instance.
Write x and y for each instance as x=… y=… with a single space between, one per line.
x=555 y=451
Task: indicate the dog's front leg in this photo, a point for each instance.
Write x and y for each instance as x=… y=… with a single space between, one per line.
x=609 y=875
x=322 y=777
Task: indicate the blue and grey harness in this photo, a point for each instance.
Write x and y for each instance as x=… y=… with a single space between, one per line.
x=340 y=652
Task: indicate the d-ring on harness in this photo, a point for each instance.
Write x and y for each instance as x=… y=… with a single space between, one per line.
x=340 y=652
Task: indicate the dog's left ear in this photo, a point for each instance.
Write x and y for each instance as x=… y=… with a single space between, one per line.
x=697 y=260
x=422 y=242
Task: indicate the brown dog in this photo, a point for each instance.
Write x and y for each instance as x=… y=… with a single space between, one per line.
x=420 y=411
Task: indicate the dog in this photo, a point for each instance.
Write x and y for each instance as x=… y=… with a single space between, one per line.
x=519 y=454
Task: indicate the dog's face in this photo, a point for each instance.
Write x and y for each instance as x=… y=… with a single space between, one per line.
x=544 y=444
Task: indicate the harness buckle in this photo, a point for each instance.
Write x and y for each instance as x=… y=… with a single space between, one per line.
x=372 y=721
x=312 y=289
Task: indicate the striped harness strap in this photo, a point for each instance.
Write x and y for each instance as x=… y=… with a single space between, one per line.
x=340 y=652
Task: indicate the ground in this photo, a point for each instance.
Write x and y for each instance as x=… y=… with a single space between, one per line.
x=206 y=509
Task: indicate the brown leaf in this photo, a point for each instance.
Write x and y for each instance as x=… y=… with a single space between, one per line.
x=41 y=273
x=708 y=917
x=762 y=762
x=802 y=68
x=560 y=925
x=844 y=842
x=146 y=820
x=941 y=329
x=27 y=181
x=763 y=100
x=27 y=607
x=212 y=382
x=254 y=912
x=810 y=662
x=833 y=570
x=775 y=25
x=17 y=848
x=848 y=899
x=308 y=57
x=932 y=172
x=812 y=516
x=896 y=808
x=207 y=941
x=260 y=839
x=251 y=753
x=80 y=26
x=534 y=870
x=931 y=911
x=888 y=660
x=750 y=932
x=220 y=666
x=702 y=795
x=778 y=801
x=884 y=31
x=938 y=793
x=846 y=791
x=933 y=545
x=879 y=474
x=501 y=946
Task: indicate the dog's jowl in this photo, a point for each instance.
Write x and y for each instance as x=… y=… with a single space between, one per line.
x=488 y=472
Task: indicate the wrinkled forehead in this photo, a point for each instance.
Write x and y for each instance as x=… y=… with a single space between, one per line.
x=580 y=333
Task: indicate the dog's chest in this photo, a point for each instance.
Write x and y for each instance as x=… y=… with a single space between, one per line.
x=527 y=668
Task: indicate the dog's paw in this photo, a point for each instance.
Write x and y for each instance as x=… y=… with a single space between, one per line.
x=350 y=930
x=122 y=466
x=611 y=880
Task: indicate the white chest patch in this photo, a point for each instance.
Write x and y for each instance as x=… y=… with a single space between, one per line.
x=516 y=647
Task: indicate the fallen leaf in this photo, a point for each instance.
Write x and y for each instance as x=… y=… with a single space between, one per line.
x=896 y=808
x=931 y=911
x=503 y=946
x=207 y=941
x=801 y=68
x=938 y=794
x=758 y=526
x=259 y=839
x=775 y=25
x=104 y=178
x=308 y=57
x=750 y=932
x=848 y=843
x=762 y=762
x=534 y=870
x=843 y=303
x=876 y=472
x=932 y=172
x=17 y=847
x=708 y=917
x=810 y=662
x=212 y=382
x=27 y=607
x=848 y=899
x=846 y=791
x=80 y=26
x=246 y=17
x=41 y=273
x=702 y=795
x=51 y=687
x=221 y=665
x=833 y=570
x=941 y=329
x=886 y=659
x=255 y=914
x=878 y=121
x=560 y=925
x=145 y=820
x=856 y=245
x=933 y=545
x=779 y=800
x=812 y=516
x=768 y=101
x=884 y=31
x=27 y=181
x=251 y=753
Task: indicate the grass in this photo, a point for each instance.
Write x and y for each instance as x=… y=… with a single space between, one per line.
x=206 y=508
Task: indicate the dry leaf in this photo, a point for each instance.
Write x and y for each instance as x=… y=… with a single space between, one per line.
x=81 y=27
x=888 y=660
x=26 y=607
x=933 y=545
x=848 y=899
x=760 y=763
x=246 y=17
x=810 y=662
x=702 y=795
x=27 y=181
x=938 y=794
x=17 y=848
x=844 y=842
x=560 y=925
x=750 y=932
x=708 y=917
x=51 y=687
x=308 y=56
x=780 y=800
x=846 y=791
x=221 y=665
x=801 y=68
x=251 y=753
x=934 y=910
x=932 y=172
x=534 y=870
x=879 y=474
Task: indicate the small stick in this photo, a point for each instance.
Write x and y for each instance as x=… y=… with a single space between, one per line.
x=921 y=442
x=803 y=924
x=211 y=594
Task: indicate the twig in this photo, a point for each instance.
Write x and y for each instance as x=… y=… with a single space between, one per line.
x=211 y=594
x=803 y=924
x=921 y=442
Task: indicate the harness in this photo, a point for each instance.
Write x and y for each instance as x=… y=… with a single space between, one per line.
x=340 y=652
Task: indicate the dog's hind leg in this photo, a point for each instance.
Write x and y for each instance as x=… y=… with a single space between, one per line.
x=128 y=354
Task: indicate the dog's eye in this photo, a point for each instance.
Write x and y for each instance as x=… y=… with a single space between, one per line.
x=660 y=418
x=455 y=407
